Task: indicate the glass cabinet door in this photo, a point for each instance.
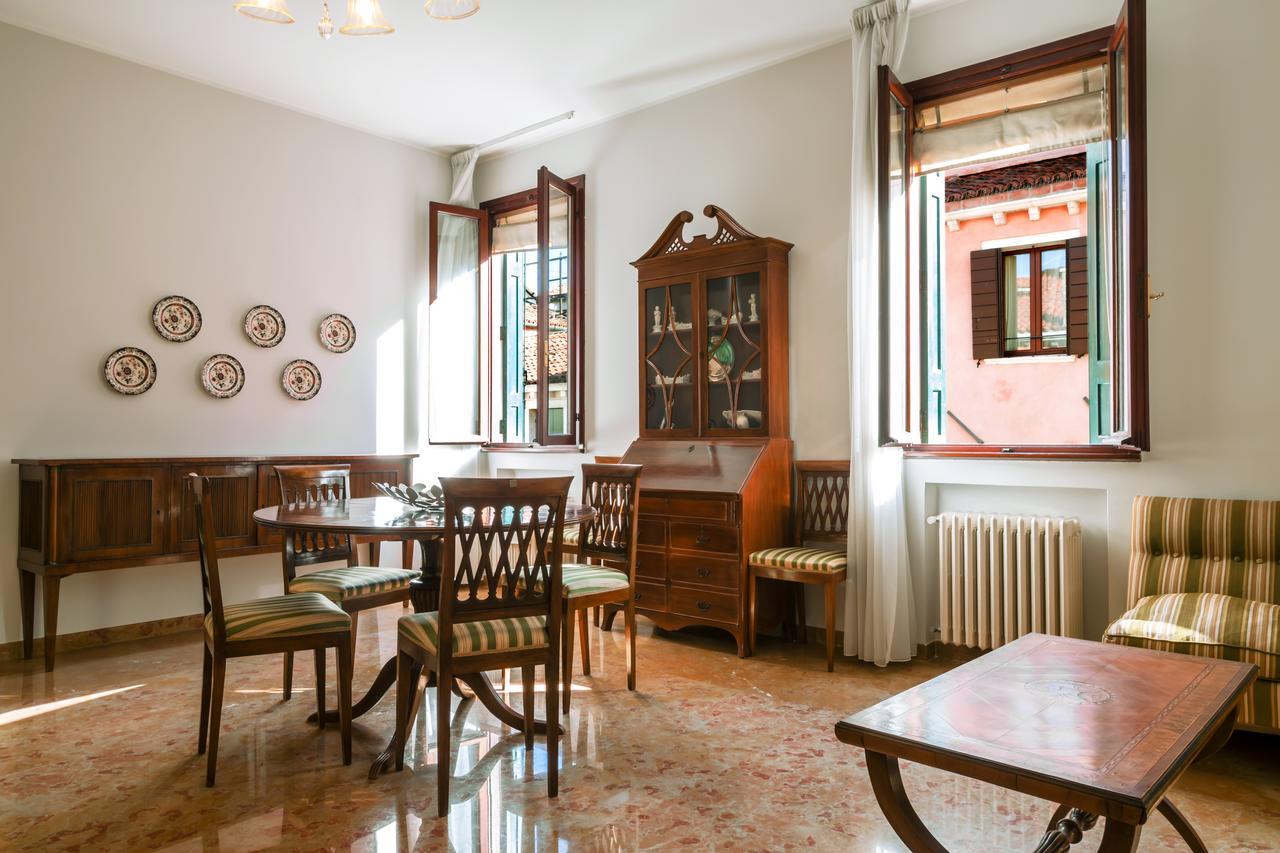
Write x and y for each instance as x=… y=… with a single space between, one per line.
x=735 y=378
x=669 y=365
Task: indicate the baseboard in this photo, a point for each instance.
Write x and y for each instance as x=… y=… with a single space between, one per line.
x=932 y=650
x=106 y=636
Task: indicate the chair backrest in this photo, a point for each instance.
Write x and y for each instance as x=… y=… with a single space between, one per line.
x=821 y=513
x=1205 y=545
x=613 y=491
x=502 y=550
x=210 y=581
x=314 y=484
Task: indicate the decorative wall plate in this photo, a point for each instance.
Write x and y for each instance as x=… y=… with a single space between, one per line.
x=176 y=318
x=264 y=325
x=301 y=379
x=337 y=333
x=222 y=375
x=130 y=370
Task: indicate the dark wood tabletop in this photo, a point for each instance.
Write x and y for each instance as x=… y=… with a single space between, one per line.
x=373 y=517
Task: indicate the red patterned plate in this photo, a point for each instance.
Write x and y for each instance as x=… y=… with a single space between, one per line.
x=264 y=325
x=337 y=333
x=130 y=370
x=176 y=318
x=301 y=379
x=222 y=375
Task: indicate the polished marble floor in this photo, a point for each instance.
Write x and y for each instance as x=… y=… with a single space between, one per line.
x=711 y=753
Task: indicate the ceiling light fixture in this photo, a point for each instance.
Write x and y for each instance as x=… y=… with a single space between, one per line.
x=364 y=18
x=451 y=10
x=275 y=11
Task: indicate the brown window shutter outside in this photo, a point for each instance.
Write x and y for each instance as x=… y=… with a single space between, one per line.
x=1078 y=296
x=985 y=295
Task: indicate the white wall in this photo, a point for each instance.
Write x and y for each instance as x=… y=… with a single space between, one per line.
x=119 y=185
x=772 y=148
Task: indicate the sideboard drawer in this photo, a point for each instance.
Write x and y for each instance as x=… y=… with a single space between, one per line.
x=702 y=604
x=715 y=509
x=718 y=538
x=651 y=564
x=652 y=532
x=703 y=571
x=651 y=596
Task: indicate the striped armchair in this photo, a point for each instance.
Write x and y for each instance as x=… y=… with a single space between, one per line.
x=1204 y=579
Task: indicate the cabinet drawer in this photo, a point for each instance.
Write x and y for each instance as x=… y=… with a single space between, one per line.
x=652 y=532
x=702 y=604
x=718 y=538
x=651 y=596
x=704 y=571
x=651 y=564
x=714 y=509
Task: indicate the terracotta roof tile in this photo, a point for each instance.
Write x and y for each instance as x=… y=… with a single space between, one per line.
x=1041 y=173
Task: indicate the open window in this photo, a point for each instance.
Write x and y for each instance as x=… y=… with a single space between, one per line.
x=526 y=388
x=1013 y=232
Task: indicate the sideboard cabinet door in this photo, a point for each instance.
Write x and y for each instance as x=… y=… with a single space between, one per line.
x=234 y=489
x=111 y=512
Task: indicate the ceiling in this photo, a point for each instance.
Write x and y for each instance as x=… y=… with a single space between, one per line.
x=444 y=85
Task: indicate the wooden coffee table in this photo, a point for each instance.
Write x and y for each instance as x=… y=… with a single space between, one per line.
x=1103 y=730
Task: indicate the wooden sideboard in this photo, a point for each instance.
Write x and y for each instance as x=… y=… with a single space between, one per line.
x=92 y=515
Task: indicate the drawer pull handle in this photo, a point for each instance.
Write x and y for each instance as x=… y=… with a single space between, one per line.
x=703 y=538
x=704 y=572
x=704 y=606
x=639 y=595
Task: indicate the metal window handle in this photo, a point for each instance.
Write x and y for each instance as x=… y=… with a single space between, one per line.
x=703 y=605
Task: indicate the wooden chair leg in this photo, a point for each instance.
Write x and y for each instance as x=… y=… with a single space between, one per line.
x=406 y=687
x=345 y=665
x=829 y=600
x=355 y=619
x=584 y=643
x=218 y=677
x=802 y=630
x=206 y=687
x=320 y=686
x=526 y=682
x=751 y=614
x=444 y=678
x=595 y=615
x=553 y=730
x=566 y=660
x=631 y=642
x=375 y=553
x=288 y=676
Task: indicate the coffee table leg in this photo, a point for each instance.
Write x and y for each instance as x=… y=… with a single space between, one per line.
x=1067 y=827
x=886 y=781
x=1119 y=837
x=1180 y=823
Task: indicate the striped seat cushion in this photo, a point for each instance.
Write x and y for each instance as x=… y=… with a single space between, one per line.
x=281 y=616
x=805 y=559
x=352 y=581
x=581 y=580
x=473 y=638
x=1205 y=624
x=571 y=535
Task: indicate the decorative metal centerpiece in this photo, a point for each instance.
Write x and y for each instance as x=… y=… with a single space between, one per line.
x=418 y=496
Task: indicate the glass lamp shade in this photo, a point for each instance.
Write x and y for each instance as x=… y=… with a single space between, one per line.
x=364 y=18
x=451 y=10
x=275 y=11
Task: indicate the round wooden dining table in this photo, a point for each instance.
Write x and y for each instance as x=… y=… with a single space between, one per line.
x=385 y=517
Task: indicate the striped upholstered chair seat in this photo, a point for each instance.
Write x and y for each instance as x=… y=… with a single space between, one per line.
x=340 y=584
x=581 y=580
x=1204 y=579
x=281 y=616
x=571 y=535
x=474 y=638
x=803 y=559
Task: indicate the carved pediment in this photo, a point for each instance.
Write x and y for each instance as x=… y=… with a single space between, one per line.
x=672 y=241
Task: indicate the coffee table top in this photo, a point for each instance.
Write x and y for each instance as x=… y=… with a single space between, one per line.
x=1115 y=721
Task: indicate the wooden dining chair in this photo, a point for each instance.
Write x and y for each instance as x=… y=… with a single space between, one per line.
x=820 y=519
x=605 y=571
x=500 y=605
x=352 y=587
x=283 y=623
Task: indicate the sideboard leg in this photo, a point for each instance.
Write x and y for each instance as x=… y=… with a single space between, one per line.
x=27 y=585
x=51 y=584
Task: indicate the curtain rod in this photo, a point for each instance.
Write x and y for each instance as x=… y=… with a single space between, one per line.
x=513 y=134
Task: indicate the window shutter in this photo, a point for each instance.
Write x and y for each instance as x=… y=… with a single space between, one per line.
x=985 y=295
x=1078 y=296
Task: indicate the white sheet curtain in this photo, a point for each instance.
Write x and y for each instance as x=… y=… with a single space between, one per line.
x=879 y=612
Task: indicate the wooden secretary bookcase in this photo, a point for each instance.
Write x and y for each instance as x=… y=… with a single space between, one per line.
x=714 y=421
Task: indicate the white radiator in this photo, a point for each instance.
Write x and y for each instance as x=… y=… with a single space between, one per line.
x=1002 y=576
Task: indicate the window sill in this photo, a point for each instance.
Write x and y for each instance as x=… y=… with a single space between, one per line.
x=531 y=448
x=1059 y=452
x=1052 y=358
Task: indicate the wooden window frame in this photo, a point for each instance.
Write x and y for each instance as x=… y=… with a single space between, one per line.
x=1040 y=60
x=573 y=442
x=1037 y=300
